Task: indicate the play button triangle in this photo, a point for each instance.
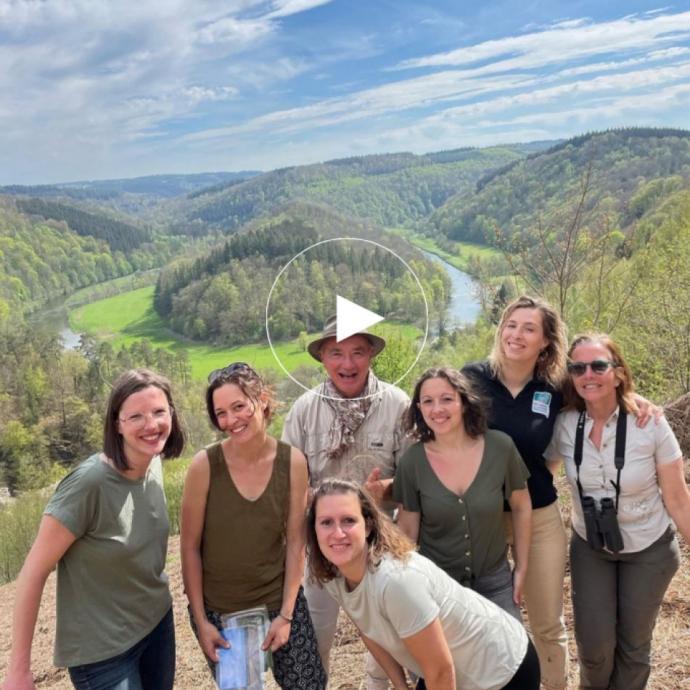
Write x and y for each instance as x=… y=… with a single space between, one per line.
x=351 y=318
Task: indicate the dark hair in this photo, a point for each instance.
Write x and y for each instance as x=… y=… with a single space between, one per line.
x=383 y=538
x=550 y=365
x=249 y=382
x=127 y=384
x=624 y=392
x=473 y=405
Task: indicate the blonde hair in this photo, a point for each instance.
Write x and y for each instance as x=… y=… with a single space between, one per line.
x=550 y=366
x=624 y=393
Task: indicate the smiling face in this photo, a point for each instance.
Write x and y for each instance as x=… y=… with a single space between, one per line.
x=341 y=533
x=595 y=388
x=237 y=414
x=522 y=336
x=440 y=406
x=347 y=363
x=144 y=422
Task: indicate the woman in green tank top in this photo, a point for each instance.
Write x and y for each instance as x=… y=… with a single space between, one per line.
x=242 y=531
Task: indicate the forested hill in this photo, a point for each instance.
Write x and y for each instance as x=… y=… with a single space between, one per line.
x=118 y=234
x=388 y=189
x=50 y=249
x=221 y=297
x=162 y=186
x=619 y=174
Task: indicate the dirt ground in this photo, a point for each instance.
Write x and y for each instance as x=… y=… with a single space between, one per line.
x=671 y=660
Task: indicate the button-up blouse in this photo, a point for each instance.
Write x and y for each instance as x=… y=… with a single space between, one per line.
x=642 y=516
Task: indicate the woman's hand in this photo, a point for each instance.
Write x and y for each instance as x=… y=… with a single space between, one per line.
x=278 y=634
x=646 y=411
x=23 y=680
x=519 y=575
x=210 y=639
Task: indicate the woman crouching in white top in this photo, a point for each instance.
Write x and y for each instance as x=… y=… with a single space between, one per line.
x=409 y=612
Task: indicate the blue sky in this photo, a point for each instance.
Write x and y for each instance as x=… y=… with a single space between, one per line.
x=93 y=89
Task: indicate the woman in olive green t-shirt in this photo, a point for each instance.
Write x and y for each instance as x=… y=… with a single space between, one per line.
x=106 y=530
x=452 y=484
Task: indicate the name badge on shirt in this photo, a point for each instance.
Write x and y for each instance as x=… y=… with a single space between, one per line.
x=541 y=403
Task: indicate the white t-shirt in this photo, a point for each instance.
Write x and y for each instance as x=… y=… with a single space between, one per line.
x=642 y=516
x=400 y=598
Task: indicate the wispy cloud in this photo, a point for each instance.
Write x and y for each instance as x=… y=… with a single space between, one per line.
x=135 y=87
x=570 y=40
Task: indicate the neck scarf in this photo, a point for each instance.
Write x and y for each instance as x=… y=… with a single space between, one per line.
x=349 y=414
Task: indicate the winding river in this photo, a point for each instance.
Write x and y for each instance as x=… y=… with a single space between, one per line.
x=463 y=309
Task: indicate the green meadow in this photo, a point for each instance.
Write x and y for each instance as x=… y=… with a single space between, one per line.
x=460 y=259
x=130 y=317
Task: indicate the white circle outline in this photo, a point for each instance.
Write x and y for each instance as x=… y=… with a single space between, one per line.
x=356 y=239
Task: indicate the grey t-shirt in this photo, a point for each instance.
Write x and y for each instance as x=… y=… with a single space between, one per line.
x=398 y=599
x=111 y=588
x=463 y=534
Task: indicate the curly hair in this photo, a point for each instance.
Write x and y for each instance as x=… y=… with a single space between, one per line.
x=624 y=392
x=550 y=366
x=474 y=417
x=248 y=381
x=383 y=538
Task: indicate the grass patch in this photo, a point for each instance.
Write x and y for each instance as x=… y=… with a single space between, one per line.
x=460 y=259
x=130 y=317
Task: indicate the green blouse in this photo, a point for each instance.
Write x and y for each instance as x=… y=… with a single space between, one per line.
x=463 y=534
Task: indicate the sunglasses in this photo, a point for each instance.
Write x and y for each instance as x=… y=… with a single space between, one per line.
x=598 y=366
x=231 y=369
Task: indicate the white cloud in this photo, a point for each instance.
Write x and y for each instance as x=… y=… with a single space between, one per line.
x=284 y=8
x=566 y=41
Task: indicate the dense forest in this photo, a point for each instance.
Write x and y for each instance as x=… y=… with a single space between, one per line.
x=388 y=189
x=612 y=169
x=599 y=224
x=221 y=297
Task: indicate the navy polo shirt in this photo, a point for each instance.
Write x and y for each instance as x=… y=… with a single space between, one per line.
x=528 y=419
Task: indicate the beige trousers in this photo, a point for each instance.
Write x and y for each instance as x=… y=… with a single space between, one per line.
x=544 y=593
x=324 y=615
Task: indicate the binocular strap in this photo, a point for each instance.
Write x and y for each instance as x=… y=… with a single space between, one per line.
x=619 y=457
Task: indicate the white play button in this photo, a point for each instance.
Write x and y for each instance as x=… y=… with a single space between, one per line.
x=351 y=318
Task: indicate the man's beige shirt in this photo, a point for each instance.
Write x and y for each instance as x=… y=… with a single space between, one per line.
x=379 y=441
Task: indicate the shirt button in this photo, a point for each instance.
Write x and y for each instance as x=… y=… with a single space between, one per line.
x=467 y=568
x=467 y=536
x=467 y=553
x=460 y=501
x=463 y=517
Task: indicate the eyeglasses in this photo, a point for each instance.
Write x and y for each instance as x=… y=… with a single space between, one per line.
x=138 y=420
x=598 y=366
x=228 y=371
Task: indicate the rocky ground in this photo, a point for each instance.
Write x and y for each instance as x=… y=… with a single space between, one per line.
x=671 y=670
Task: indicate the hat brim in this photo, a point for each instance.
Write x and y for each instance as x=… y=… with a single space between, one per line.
x=314 y=347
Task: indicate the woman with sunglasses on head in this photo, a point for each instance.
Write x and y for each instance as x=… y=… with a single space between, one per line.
x=409 y=612
x=242 y=530
x=451 y=486
x=627 y=487
x=106 y=530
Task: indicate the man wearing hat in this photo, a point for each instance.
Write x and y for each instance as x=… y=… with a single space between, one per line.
x=348 y=427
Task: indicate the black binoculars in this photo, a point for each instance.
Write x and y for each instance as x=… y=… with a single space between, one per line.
x=601 y=523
